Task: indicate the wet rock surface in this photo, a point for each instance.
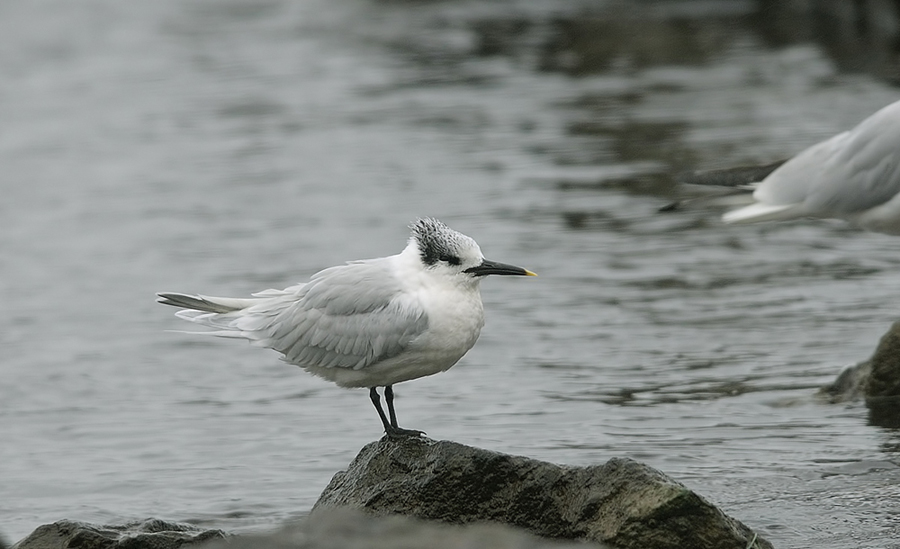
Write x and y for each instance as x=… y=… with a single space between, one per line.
x=884 y=378
x=877 y=380
x=417 y=492
x=850 y=384
x=622 y=502
x=148 y=534
x=882 y=388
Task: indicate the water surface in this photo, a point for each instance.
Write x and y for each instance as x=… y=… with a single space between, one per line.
x=227 y=147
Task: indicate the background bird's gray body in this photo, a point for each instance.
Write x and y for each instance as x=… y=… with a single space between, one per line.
x=854 y=175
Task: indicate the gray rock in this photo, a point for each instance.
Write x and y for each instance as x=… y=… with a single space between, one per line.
x=343 y=528
x=149 y=534
x=622 y=502
x=884 y=380
x=850 y=384
x=877 y=380
x=883 y=386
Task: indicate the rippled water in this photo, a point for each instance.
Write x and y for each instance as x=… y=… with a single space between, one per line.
x=227 y=147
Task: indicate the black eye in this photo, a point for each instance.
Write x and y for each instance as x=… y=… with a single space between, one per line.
x=450 y=259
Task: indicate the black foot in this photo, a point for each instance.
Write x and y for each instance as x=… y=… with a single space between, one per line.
x=399 y=432
x=390 y=426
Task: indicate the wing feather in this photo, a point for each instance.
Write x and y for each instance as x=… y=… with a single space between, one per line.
x=842 y=176
x=349 y=316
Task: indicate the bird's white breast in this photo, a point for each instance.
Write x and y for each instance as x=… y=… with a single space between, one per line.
x=455 y=316
x=455 y=319
x=454 y=311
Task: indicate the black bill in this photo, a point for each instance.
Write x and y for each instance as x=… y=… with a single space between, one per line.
x=489 y=267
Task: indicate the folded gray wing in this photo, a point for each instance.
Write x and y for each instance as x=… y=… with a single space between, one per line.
x=866 y=171
x=349 y=316
x=844 y=175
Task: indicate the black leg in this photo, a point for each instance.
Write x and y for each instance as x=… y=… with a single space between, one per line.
x=376 y=400
x=389 y=397
x=390 y=427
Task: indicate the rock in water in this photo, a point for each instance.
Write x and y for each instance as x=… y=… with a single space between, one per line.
x=883 y=387
x=877 y=380
x=149 y=534
x=622 y=502
x=850 y=384
x=884 y=380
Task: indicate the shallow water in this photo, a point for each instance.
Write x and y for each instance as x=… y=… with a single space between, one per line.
x=224 y=148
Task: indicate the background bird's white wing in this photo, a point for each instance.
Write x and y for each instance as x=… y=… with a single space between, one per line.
x=865 y=172
x=349 y=316
x=793 y=181
x=844 y=175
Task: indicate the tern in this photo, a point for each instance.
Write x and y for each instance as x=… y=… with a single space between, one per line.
x=369 y=323
x=854 y=176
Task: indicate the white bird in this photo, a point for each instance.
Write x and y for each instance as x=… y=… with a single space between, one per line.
x=369 y=323
x=854 y=176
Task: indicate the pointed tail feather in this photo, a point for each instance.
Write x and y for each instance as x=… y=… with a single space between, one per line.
x=740 y=181
x=761 y=212
x=204 y=303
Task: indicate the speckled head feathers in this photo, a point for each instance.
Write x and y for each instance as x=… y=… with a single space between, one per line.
x=438 y=242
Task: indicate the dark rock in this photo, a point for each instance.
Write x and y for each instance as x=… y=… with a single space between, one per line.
x=884 y=380
x=877 y=380
x=850 y=384
x=883 y=386
x=621 y=502
x=149 y=534
x=333 y=528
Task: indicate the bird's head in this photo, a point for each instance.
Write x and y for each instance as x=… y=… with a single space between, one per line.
x=445 y=250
